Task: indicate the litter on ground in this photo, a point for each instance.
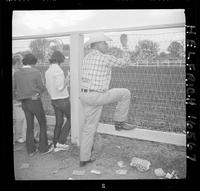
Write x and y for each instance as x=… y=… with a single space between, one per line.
x=121 y=171
x=78 y=172
x=95 y=172
x=170 y=176
x=140 y=164
x=25 y=165
x=121 y=164
x=159 y=172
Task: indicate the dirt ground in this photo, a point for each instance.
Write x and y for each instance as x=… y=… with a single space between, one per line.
x=108 y=150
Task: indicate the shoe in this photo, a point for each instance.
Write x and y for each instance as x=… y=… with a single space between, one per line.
x=84 y=163
x=33 y=153
x=49 y=150
x=20 y=140
x=123 y=126
x=59 y=149
x=58 y=145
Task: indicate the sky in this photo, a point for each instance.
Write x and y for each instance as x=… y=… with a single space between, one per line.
x=58 y=21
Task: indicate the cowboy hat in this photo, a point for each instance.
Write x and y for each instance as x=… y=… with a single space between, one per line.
x=97 y=37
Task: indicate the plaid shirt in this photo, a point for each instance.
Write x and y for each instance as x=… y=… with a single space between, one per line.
x=96 y=69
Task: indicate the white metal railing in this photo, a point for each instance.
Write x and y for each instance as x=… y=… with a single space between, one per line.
x=176 y=25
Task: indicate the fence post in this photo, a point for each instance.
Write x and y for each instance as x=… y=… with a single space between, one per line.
x=76 y=57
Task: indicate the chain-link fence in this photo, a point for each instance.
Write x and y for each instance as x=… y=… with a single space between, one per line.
x=156 y=77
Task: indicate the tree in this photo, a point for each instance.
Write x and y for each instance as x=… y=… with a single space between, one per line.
x=163 y=56
x=39 y=47
x=176 y=50
x=133 y=57
x=23 y=53
x=146 y=51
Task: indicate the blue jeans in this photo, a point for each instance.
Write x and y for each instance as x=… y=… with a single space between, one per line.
x=61 y=131
x=34 y=108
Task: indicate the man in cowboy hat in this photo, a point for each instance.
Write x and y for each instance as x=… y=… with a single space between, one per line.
x=95 y=92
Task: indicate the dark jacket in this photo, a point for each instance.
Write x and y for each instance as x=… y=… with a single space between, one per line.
x=27 y=83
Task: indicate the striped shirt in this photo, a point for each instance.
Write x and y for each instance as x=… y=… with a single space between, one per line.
x=96 y=69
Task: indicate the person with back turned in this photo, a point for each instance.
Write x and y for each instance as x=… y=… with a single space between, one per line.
x=28 y=88
x=57 y=85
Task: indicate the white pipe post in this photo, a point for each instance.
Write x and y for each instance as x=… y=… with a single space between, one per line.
x=76 y=58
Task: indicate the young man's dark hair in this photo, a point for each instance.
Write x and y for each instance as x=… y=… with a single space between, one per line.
x=29 y=59
x=57 y=57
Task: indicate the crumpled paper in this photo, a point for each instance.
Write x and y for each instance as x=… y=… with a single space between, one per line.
x=25 y=165
x=159 y=172
x=78 y=172
x=121 y=171
x=95 y=172
x=141 y=164
x=121 y=164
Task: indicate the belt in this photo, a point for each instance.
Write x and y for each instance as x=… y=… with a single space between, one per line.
x=90 y=90
x=33 y=98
